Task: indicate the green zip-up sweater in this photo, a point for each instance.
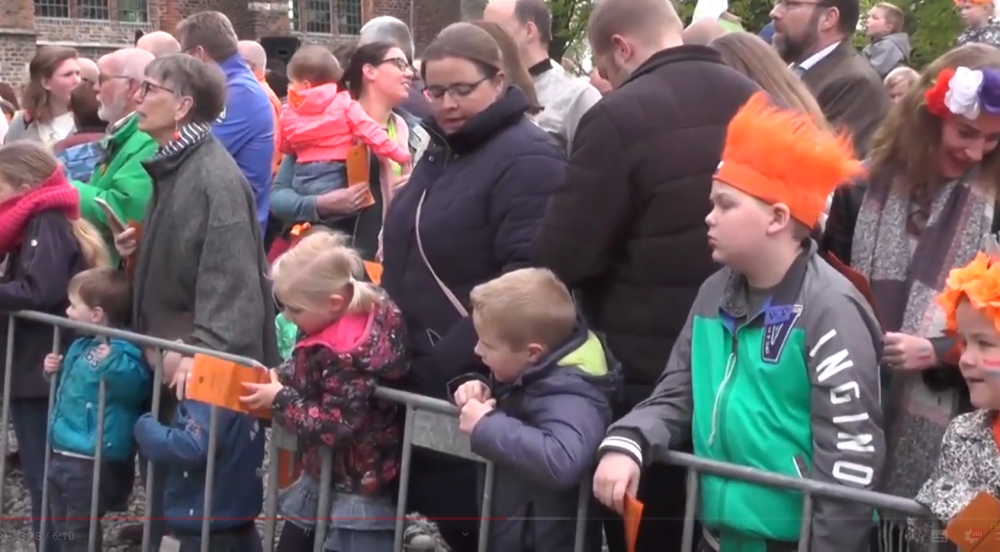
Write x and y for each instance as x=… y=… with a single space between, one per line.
x=793 y=389
x=120 y=179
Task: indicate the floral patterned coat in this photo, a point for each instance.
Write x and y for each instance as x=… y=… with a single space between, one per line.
x=328 y=399
x=969 y=464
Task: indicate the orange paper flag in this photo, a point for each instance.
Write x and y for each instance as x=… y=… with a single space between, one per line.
x=974 y=528
x=633 y=515
x=374 y=271
x=358 y=172
x=220 y=382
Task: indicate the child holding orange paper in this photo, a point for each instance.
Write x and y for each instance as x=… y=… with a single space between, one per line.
x=354 y=340
x=969 y=449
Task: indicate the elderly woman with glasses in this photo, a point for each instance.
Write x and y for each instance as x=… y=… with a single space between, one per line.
x=199 y=278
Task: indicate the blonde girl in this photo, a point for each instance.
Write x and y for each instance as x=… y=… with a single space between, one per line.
x=43 y=244
x=353 y=340
x=899 y=81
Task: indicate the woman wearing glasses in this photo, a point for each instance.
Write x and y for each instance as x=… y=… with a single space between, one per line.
x=199 y=278
x=468 y=214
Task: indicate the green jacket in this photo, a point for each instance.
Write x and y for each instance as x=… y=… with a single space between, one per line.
x=120 y=180
x=793 y=389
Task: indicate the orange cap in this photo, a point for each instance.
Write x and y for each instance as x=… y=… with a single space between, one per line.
x=781 y=156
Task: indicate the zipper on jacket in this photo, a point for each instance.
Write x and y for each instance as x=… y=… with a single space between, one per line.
x=727 y=377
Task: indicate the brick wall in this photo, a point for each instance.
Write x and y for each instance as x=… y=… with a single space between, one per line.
x=21 y=32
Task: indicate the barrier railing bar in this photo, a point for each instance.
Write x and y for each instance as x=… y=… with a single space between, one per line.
x=206 y=510
x=404 y=471
x=323 y=501
x=95 y=490
x=5 y=415
x=805 y=526
x=828 y=490
x=43 y=523
x=418 y=402
x=690 y=506
x=271 y=499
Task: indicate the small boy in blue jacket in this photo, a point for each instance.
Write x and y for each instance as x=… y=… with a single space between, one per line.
x=181 y=448
x=102 y=297
x=544 y=414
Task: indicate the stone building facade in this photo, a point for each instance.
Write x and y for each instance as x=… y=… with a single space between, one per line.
x=96 y=27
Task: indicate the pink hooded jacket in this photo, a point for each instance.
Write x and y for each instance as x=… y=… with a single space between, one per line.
x=322 y=124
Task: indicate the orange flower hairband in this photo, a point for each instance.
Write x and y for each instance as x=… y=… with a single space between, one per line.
x=979 y=282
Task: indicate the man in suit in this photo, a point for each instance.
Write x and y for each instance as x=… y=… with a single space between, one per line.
x=815 y=38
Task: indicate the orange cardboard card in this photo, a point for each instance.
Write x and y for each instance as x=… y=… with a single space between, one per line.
x=974 y=528
x=358 y=173
x=374 y=271
x=220 y=382
x=633 y=515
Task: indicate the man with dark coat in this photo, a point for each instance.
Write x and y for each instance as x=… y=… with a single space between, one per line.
x=626 y=229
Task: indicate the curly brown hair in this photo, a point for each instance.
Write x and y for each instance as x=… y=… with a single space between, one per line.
x=907 y=141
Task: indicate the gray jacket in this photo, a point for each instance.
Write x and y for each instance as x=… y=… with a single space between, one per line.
x=791 y=386
x=564 y=98
x=20 y=130
x=888 y=53
x=201 y=271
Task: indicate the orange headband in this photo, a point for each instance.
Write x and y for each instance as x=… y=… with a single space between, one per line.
x=979 y=282
x=781 y=156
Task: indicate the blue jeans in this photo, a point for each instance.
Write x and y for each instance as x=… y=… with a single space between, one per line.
x=30 y=418
x=319 y=178
x=155 y=500
x=245 y=538
x=71 y=481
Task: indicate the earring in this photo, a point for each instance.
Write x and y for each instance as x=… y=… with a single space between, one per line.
x=177 y=131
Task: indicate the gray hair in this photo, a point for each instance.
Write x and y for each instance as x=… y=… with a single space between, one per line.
x=189 y=76
x=386 y=28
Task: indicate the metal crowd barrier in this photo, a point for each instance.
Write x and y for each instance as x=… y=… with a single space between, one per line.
x=429 y=423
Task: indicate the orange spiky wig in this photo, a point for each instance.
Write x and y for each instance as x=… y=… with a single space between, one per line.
x=781 y=156
x=979 y=282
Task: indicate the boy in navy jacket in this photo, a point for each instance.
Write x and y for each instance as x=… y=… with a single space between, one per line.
x=545 y=413
x=181 y=448
x=102 y=297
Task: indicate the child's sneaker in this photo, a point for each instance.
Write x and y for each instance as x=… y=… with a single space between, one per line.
x=422 y=535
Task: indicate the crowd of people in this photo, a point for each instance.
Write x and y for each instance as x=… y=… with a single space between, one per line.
x=594 y=270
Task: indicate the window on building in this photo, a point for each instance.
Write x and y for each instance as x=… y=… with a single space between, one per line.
x=133 y=11
x=52 y=8
x=326 y=16
x=93 y=9
x=349 y=17
x=129 y=11
x=319 y=16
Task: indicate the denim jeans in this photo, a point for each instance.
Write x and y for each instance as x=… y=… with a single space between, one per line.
x=312 y=179
x=30 y=418
x=355 y=523
x=155 y=501
x=71 y=481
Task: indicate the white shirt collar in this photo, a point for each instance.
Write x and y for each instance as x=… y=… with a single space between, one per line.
x=808 y=63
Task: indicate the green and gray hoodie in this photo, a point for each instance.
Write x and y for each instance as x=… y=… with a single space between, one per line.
x=792 y=389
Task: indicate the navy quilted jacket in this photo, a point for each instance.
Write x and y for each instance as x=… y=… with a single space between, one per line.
x=487 y=186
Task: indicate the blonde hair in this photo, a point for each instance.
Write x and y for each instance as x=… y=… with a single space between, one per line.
x=28 y=163
x=760 y=62
x=318 y=266
x=893 y=16
x=526 y=306
x=900 y=75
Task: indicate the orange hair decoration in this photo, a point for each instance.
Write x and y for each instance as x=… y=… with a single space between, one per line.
x=781 y=156
x=979 y=282
x=298 y=232
x=973 y=2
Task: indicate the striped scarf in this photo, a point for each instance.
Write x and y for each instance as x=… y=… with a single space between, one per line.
x=185 y=137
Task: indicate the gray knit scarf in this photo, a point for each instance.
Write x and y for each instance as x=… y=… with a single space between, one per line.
x=905 y=286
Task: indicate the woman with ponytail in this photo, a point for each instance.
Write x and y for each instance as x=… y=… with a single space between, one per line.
x=43 y=243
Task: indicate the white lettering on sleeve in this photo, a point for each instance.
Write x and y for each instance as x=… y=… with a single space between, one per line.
x=853 y=473
x=855 y=443
x=845 y=393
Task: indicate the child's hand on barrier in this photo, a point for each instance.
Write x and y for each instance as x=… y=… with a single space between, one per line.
x=471 y=390
x=617 y=475
x=52 y=363
x=262 y=394
x=472 y=412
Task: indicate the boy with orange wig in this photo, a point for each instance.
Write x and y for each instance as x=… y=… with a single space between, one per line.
x=777 y=366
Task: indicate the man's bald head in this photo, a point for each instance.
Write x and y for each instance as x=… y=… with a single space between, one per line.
x=159 y=43
x=132 y=62
x=647 y=23
x=123 y=71
x=703 y=31
x=88 y=70
x=253 y=53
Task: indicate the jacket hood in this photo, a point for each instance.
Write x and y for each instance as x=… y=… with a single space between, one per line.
x=901 y=41
x=315 y=100
x=581 y=365
x=123 y=347
x=367 y=337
